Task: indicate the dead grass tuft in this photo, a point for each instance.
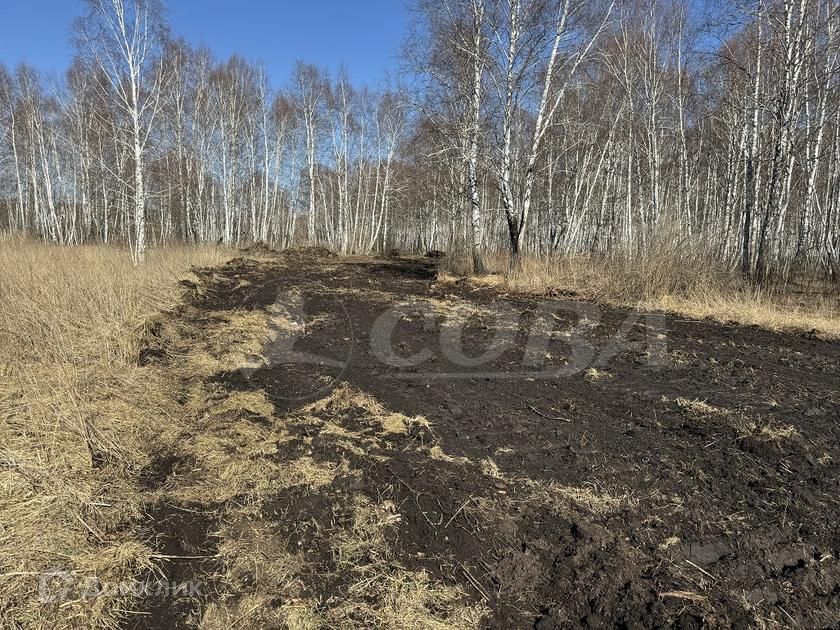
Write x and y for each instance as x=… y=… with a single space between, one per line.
x=455 y=310
x=345 y=398
x=592 y=374
x=248 y=402
x=491 y=468
x=777 y=433
x=411 y=599
x=239 y=458
x=589 y=497
x=437 y=453
x=699 y=406
x=744 y=425
x=234 y=340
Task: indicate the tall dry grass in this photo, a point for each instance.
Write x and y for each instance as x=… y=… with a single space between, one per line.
x=78 y=417
x=675 y=279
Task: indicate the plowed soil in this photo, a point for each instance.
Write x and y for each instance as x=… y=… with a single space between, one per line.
x=602 y=468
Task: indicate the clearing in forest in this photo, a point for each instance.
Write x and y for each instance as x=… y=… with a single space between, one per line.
x=372 y=447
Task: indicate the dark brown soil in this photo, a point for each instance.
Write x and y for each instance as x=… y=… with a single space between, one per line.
x=617 y=499
x=181 y=536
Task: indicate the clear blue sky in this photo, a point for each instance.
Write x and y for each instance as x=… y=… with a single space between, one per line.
x=362 y=34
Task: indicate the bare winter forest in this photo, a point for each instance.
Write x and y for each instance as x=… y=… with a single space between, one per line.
x=529 y=125
x=542 y=331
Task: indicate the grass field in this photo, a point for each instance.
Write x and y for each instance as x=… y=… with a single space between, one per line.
x=78 y=418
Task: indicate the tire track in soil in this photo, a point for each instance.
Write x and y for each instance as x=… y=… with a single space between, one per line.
x=646 y=509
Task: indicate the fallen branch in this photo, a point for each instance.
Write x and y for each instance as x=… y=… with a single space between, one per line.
x=547 y=417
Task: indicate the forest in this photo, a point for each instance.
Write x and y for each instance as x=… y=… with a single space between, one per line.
x=535 y=127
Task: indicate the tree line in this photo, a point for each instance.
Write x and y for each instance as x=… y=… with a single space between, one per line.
x=147 y=137
x=539 y=127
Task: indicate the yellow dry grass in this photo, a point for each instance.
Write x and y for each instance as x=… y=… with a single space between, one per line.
x=592 y=374
x=745 y=425
x=380 y=593
x=590 y=498
x=675 y=280
x=699 y=406
x=345 y=398
x=818 y=315
x=436 y=452
x=230 y=340
x=455 y=310
x=77 y=415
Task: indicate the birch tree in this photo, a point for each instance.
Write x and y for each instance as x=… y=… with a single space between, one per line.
x=310 y=90
x=569 y=49
x=123 y=39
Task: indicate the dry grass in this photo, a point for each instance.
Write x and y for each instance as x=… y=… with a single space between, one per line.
x=345 y=398
x=592 y=375
x=672 y=279
x=236 y=458
x=590 y=498
x=699 y=406
x=252 y=551
x=743 y=424
x=380 y=592
x=233 y=340
x=77 y=414
x=457 y=311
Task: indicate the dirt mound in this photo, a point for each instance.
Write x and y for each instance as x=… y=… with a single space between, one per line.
x=311 y=252
x=259 y=249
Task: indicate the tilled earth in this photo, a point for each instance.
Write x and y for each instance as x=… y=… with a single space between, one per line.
x=506 y=461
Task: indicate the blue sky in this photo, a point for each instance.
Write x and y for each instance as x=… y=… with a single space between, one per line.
x=362 y=34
